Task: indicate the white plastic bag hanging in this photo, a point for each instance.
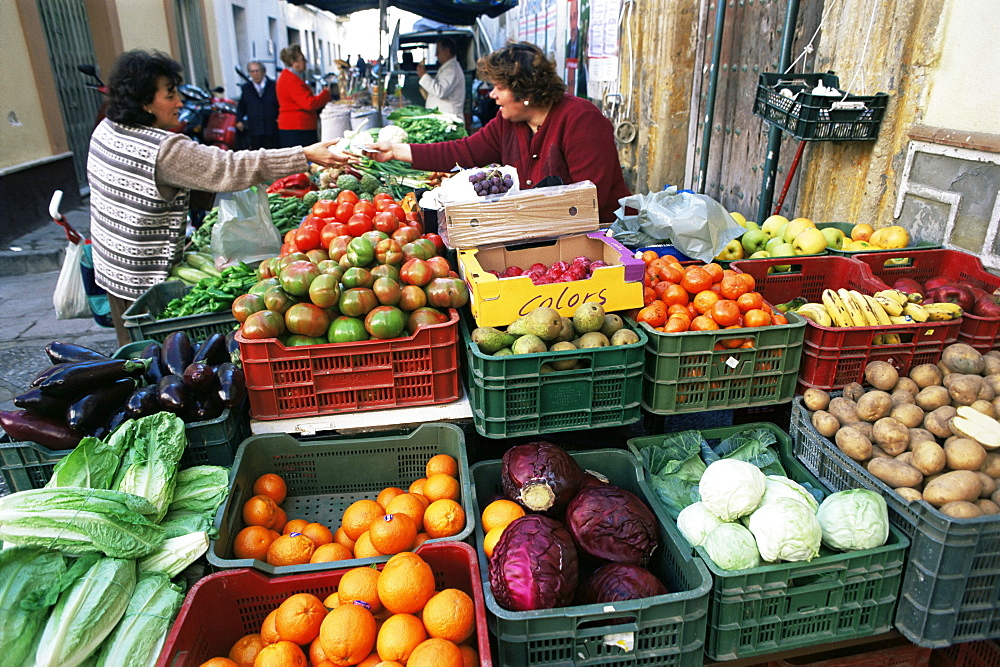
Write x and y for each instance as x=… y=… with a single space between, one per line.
x=70 y=298
x=244 y=231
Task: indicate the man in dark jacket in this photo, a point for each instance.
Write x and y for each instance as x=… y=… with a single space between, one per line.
x=257 y=111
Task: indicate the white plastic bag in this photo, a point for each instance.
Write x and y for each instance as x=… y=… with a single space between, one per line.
x=70 y=299
x=244 y=232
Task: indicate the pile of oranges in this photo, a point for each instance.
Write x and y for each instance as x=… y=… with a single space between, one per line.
x=397 y=520
x=702 y=297
x=495 y=517
x=393 y=617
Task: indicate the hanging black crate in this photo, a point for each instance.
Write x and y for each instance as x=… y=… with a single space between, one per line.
x=811 y=117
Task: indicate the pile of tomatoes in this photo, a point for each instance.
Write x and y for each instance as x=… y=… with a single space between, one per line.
x=701 y=297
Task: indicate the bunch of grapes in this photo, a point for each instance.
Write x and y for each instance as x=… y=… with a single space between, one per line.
x=491 y=181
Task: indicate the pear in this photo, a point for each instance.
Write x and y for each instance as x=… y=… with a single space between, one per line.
x=568 y=331
x=518 y=327
x=563 y=364
x=505 y=352
x=624 y=337
x=592 y=339
x=546 y=368
x=546 y=323
x=612 y=323
x=490 y=339
x=588 y=317
x=529 y=344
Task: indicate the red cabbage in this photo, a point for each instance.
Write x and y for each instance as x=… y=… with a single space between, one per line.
x=534 y=565
x=619 y=581
x=541 y=476
x=613 y=524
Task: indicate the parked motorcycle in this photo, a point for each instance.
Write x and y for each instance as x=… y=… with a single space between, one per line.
x=97 y=85
x=207 y=118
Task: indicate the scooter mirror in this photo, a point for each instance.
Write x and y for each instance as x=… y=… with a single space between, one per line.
x=89 y=70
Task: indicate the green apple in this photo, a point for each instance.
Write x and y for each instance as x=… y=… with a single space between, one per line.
x=759 y=254
x=772 y=224
x=796 y=227
x=751 y=225
x=740 y=220
x=782 y=250
x=773 y=243
x=754 y=240
x=732 y=251
x=834 y=237
x=810 y=241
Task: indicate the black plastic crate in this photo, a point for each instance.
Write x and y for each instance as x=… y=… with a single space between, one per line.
x=811 y=117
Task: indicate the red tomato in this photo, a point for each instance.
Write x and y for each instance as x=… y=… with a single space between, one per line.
x=419 y=226
x=331 y=231
x=287 y=249
x=359 y=224
x=382 y=196
x=314 y=222
x=324 y=208
x=348 y=196
x=290 y=236
x=306 y=239
x=397 y=211
x=386 y=222
x=365 y=207
x=436 y=240
x=344 y=211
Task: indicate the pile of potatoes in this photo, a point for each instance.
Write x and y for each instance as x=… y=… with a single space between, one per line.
x=900 y=429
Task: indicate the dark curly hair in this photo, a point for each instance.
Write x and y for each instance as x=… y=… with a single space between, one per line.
x=523 y=68
x=133 y=84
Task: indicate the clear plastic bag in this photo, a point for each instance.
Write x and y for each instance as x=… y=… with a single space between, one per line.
x=70 y=297
x=245 y=232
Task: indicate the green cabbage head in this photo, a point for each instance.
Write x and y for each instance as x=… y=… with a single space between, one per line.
x=854 y=519
x=782 y=487
x=731 y=488
x=732 y=547
x=696 y=521
x=786 y=530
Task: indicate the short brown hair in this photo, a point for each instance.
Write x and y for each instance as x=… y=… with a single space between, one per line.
x=290 y=54
x=523 y=68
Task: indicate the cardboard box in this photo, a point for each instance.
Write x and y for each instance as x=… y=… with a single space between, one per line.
x=496 y=302
x=528 y=214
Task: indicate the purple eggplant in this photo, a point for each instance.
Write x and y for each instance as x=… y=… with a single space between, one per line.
x=78 y=379
x=213 y=350
x=47 y=432
x=35 y=401
x=107 y=428
x=62 y=353
x=154 y=353
x=177 y=352
x=199 y=377
x=94 y=409
x=143 y=401
x=172 y=393
x=51 y=370
x=209 y=407
x=232 y=384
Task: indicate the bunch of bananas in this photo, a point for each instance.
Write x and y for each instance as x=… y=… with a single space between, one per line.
x=904 y=308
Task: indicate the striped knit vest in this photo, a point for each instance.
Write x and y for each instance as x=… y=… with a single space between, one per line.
x=137 y=235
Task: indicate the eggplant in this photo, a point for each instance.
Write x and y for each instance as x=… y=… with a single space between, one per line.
x=143 y=401
x=94 y=409
x=232 y=384
x=51 y=370
x=210 y=407
x=47 y=432
x=154 y=353
x=199 y=377
x=62 y=353
x=35 y=401
x=85 y=377
x=213 y=350
x=177 y=352
x=171 y=393
x=232 y=347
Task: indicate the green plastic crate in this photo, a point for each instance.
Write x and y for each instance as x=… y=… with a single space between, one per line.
x=141 y=323
x=952 y=580
x=325 y=476
x=685 y=373
x=664 y=629
x=27 y=465
x=782 y=606
x=510 y=396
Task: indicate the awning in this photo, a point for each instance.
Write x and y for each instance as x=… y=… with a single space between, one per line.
x=452 y=12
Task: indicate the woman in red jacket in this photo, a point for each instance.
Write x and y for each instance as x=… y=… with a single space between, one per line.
x=298 y=108
x=540 y=130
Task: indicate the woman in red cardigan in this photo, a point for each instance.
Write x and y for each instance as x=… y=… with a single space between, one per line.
x=540 y=130
x=298 y=108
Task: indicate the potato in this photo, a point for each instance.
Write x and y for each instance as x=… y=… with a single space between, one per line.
x=991 y=466
x=964 y=454
x=986 y=391
x=864 y=428
x=928 y=457
x=881 y=375
x=944 y=370
x=850 y=441
x=874 y=405
x=905 y=457
x=949 y=378
x=853 y=391
x=991 y=363
x=909 y=494
x=989 y=484
x=932 y=398
x=925 y=375
x=825 y=423
x=985 y=407
x=964 y=390
x=996 y=497
x=895 y=473
x=961 y=509
x=988 y=506
x=906 y=384
x=938 y=421
x=962 y=358
x=844 y=409
x=815 y=399
x=950 y=486
x=918 y=434
x=891 y=435
x=993 y=380
x=996 y=405
x=902 y=397
x=909 y=414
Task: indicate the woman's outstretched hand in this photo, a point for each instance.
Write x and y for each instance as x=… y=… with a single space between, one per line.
x=322 y=153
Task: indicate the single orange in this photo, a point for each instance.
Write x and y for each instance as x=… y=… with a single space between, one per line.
x=420 y=539
x=778 y=318
x=490 y=540
x=294 y=526
x=291 y=549
x=410 y=504
x=696 y=279
x=359 y=516
x=756 y=318
x=500 y=513
x=268 y=629
x=417 y=486
x=725 y=313
x=469 y=656
x=714 y=270
x=406 y=583
x=440 y=486
x=252 y=542
x=675 y=295
x=245 y=650
x=364 y=548
x=398 y=636
x=315 y=653
x=340 y=537
x=272 y=486
x=441 y=464
x=436 y=652
x=298 y=618
x=387 y=494
x=703 y=323
x=732 y=286
x=332 y=601
x=328 y=553
x=393 y=533
x=347 y=634
x=450 y=615
x=444 y=518
x=372 y=660
x=260 y=511
x=281 y=654
x=219 y=662
x=704 y=300
x=318 y=533
x=749 y=300
x=360 y=585
x=280 y=519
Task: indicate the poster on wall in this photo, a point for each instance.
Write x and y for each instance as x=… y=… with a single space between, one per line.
x=572 y=44
x=550 y=29
x=602 y=40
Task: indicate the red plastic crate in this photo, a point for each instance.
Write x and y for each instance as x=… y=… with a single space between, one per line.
x=833 y=357
x=310 y=380
x=982 y=333
x=984 y=653
x=894 y=653
x=225 y=606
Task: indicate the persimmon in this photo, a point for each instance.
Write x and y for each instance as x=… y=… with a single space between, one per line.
x=648 y=296
x=778 y=318
x=733 y=287
x=746 y=277
x=649 y=255
x=703 y=323
x=674 y=294
x=679 y=309
x=730 y=343
x=661 y=287
x=714 y=270
x=654 y=314
x=725 y=312
x=704 y=300
x=654 y=266
x=749 y=301
x=676 y=325
x=756 y=318
x=696 y=279
x=670 y=272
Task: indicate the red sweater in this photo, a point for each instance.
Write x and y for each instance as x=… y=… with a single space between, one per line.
x=297 y=106
x=576 y=142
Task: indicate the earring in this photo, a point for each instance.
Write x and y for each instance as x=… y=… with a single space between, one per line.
x=526 y=103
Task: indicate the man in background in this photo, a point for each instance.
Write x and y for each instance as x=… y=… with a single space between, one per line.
x=257 y=111
x=446 y=89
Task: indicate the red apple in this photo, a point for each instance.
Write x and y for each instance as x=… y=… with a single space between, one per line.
x=935 y=282
x=951 y=293
x=908 y=285
x=985 y=306
x=512 y=271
